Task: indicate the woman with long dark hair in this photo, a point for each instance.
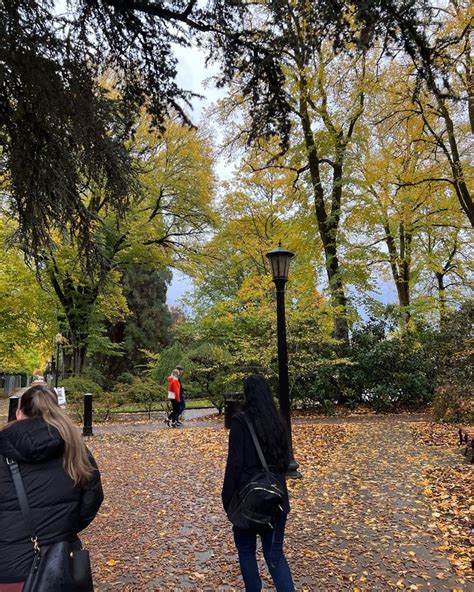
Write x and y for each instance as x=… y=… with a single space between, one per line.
x=242 y=463
x=60 y=477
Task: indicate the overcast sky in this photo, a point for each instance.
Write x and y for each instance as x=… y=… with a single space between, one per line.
x=192 y=74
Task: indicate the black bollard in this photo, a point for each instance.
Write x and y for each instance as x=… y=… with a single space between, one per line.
x=12 y=407
x=87 y=430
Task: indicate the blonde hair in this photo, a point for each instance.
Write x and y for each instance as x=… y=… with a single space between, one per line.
x=175 y=373
x=41 y=401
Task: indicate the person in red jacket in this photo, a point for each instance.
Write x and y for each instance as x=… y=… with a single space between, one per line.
x=174 y=390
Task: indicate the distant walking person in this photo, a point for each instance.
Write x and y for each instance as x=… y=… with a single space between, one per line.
x=242 y=464
x=182 y=400
x=60 y=478
x=174 y=389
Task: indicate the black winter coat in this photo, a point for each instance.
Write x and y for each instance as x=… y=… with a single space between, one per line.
x=59 y=509
x=243 y=462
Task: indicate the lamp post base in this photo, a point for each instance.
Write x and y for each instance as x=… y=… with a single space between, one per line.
x=292 y=472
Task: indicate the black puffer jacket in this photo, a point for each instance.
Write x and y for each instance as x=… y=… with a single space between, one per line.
x=59 y=509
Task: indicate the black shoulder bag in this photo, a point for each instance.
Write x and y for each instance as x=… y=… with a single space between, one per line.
x=61 y=567
x=260 y=500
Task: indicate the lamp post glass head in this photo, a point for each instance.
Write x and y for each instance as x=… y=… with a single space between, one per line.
x=280 y=260
x=58 y=338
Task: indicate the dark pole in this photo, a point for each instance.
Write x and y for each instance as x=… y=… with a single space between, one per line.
x=87 y=430
x=283 y=381
x=12 y=407
x=56 y=375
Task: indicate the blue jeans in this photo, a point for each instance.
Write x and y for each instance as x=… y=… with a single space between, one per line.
x=182 y=404
x=272 y=545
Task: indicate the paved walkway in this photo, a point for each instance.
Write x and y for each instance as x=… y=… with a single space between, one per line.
x=156 y=423
x=372 y=517
x=360 y=521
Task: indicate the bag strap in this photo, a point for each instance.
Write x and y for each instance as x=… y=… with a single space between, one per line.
x=22 y=498
x=256 y=442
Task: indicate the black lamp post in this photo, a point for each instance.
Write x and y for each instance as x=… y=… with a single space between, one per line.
x=59 y=340
x=280 y=263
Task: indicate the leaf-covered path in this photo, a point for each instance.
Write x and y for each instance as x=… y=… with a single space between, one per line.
x=360 y=520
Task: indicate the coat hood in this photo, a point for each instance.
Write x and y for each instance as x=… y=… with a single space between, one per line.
x=31 y=441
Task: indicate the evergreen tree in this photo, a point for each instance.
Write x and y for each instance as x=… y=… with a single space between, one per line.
x=147 y=325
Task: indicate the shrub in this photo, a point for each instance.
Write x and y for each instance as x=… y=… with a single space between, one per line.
x=102 y=402
x=209 y=367
x=142 y=391
x=390 y=372
x=125 y=378
x=454 y=352
x=76 y=387
x=94 y=374
x=325 y=386
x=168 y=359
x=454 y=404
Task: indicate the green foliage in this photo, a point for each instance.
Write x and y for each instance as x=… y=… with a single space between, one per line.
x=94 y=374
x=454 y=403
x=125 y=378
x=142 y=391
x=144 y=330
x=27 y=310
x=389 y=370
x=454 y=350
x=147 y=327
x=76 y=387
x=139 y=390
x=209 y=367
x=167 y=360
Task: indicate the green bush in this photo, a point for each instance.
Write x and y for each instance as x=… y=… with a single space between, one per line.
x=125 y=378
x=385 y=369
x=454 y=352
x=143 y=391
x=94 y=374
x=326 y=385
x=102 y=402
x=454 y=404
x=390 y=371
x=168 y=359
x=208 y=368
x=76 y=387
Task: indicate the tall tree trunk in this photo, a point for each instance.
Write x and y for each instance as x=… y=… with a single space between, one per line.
x=327 y=225
x=400 y=266
x=441 y=297
x=423 y=61
x=454 y=159
x=78 y=304
x=79 y=352
x=338 y=297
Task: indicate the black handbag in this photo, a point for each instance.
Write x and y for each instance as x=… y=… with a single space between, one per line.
x=259 y=502
x=62 y=566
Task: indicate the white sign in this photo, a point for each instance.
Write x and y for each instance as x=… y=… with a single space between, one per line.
x=61 y=395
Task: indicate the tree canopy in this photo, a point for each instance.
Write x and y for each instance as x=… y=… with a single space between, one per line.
x=347 y=125
x=55 y=117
